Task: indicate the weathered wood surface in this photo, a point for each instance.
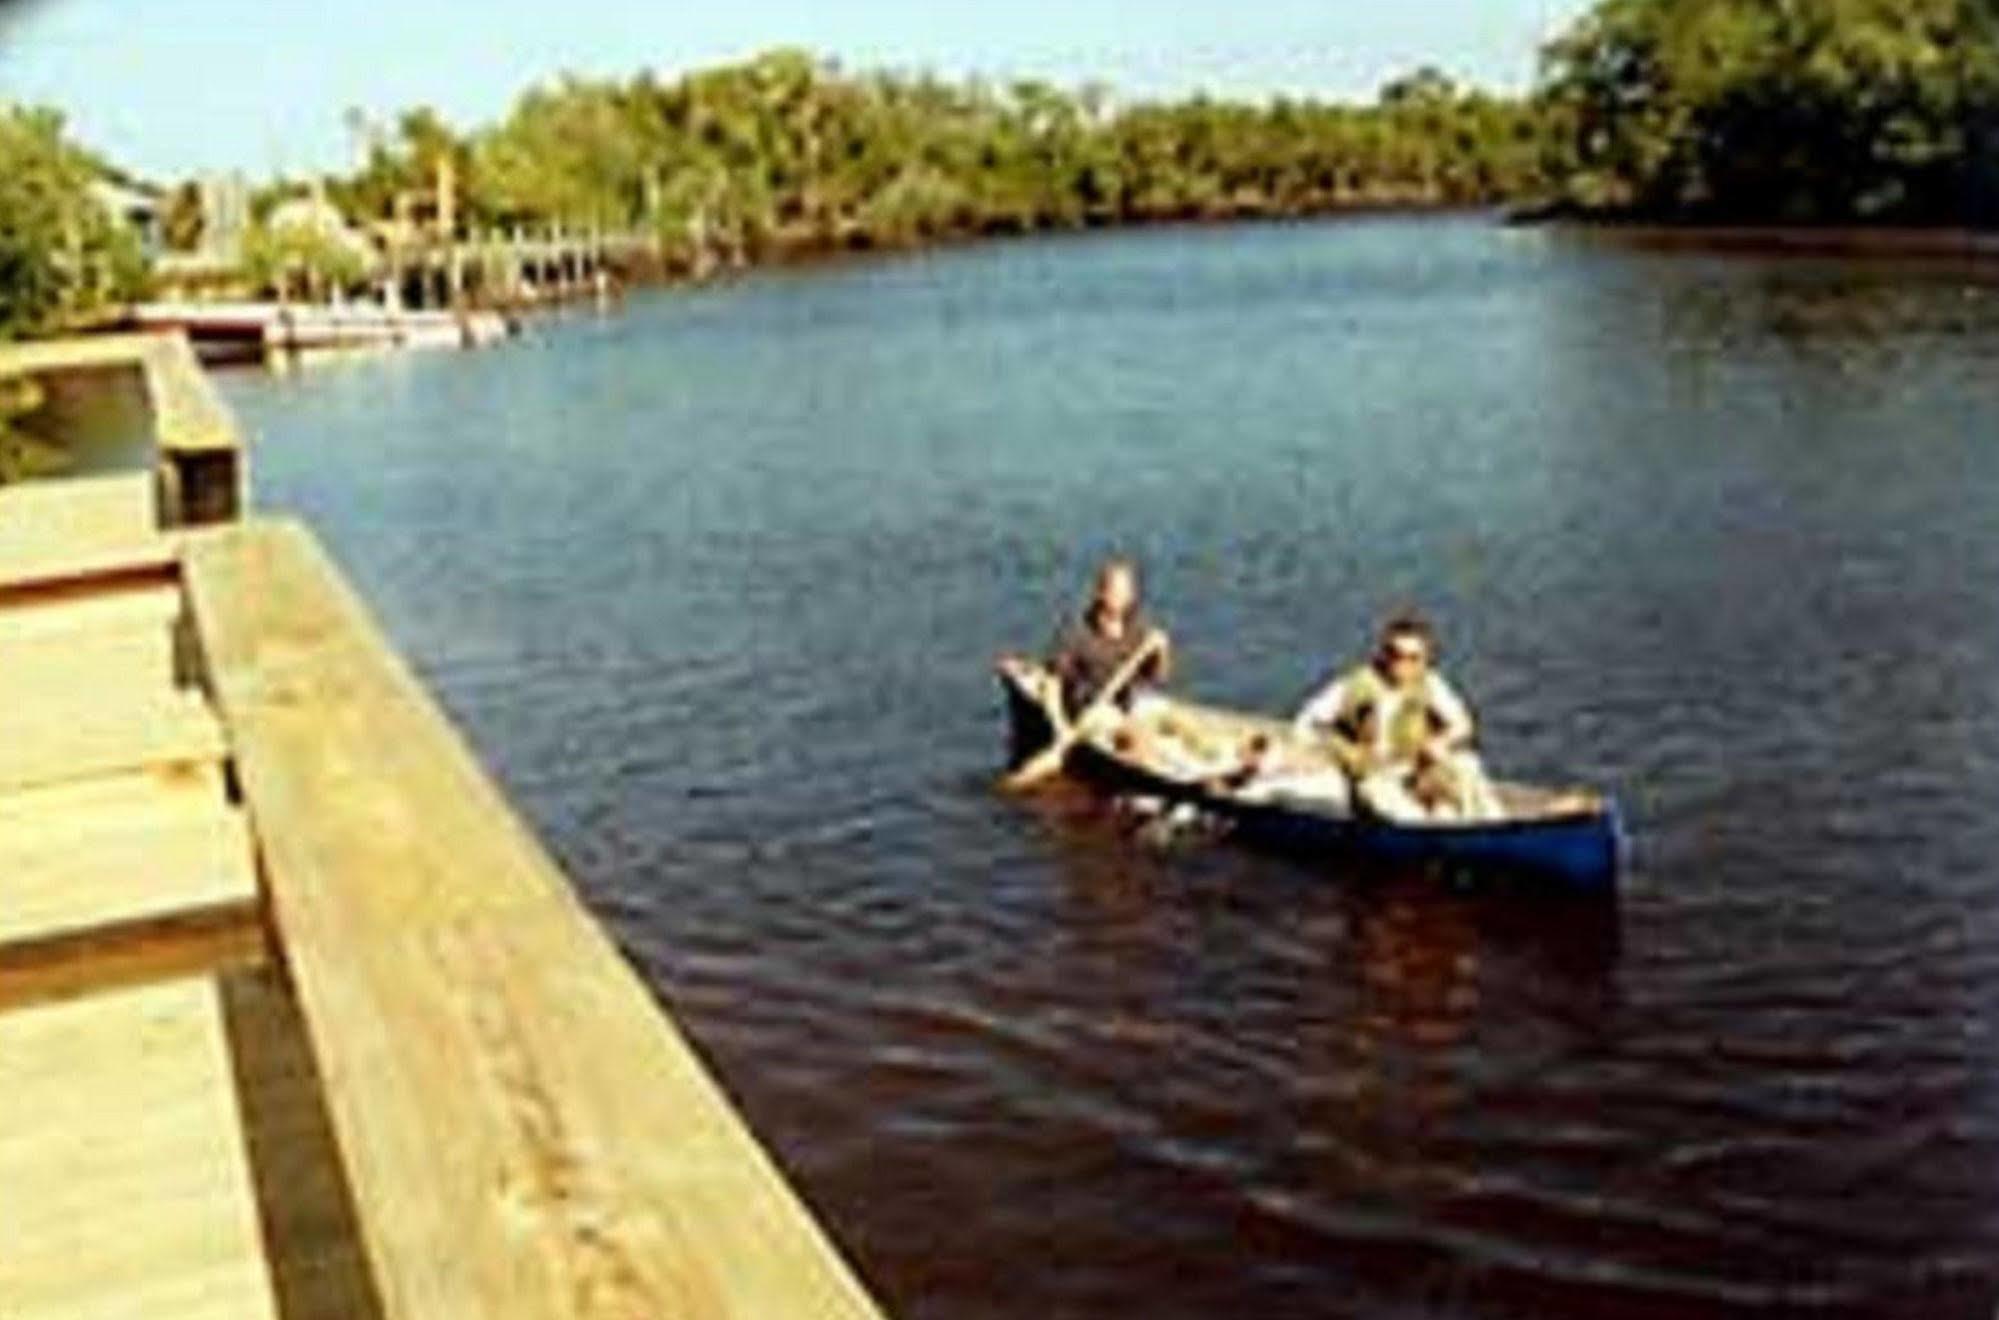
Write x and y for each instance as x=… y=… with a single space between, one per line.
x=135 y=790
x=41 y=745
x=85 y=565
x=124 y=1188
x=51 y=531
x=525 y=1133
x=58 y=614
x=65 y=650
x=141 y=871
x=121 y=859
x=190 y=416
x=118 y=957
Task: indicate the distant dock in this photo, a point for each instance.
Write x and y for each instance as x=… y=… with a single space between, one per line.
x=226 y=331
x=297 y=1018
x=461 y=293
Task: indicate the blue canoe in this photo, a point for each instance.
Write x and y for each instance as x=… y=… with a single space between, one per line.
x=1567 y=841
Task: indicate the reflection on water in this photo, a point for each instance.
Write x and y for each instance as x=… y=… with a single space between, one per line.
x=1868 y=320
x=1312 y=1071
x=85 y=421
x=1419 y=997
x=714 y=586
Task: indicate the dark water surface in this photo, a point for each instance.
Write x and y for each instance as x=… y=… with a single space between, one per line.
x=713 y=584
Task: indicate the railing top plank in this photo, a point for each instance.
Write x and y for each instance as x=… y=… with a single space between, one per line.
x=525 y=1133
x=189 y=416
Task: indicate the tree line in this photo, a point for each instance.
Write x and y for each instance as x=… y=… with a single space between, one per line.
x=1786 y=111
x=786 y=153
x=64 y=260
x=64 y=257
x=1778 y=111
x=1750 y=111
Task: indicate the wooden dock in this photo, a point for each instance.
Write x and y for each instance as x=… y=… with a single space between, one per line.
x=250 y=331
x=297 y=1019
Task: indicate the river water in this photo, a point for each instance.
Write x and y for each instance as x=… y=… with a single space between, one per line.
x=713 y=582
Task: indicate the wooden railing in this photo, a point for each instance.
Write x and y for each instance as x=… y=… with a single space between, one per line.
x=297 y=1018
x=526 y=1134
x=198 y=454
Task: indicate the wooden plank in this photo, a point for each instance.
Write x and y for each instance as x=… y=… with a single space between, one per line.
x=77 y=527
x=27 y=356
x=525 y=1133
x=200 y=450
x=87 y=876
x=133 y=791
x=30 y=355
x=71 y=648
x=39 y=746
x=93 y=667
x=127 y=1191
x=154 y=563
x=138 y=604
x=75 y=513
x=188 y=415
x=33 y=573
x=123 y=879
x=202 y=944
x=82 y=814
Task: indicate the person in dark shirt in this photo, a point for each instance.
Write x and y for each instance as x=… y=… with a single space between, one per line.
x=1089 y=649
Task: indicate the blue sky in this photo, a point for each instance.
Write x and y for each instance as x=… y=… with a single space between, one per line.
x=171 y=87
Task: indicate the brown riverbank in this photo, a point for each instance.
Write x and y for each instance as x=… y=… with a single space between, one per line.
x=804 y=250
x=1943 y=242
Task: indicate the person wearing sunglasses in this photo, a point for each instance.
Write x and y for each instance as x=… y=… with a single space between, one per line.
x=1402 y=733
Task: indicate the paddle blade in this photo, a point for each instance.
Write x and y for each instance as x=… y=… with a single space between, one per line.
x=1036 y=770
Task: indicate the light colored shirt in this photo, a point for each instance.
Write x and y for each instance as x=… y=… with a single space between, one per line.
x=1320 y=715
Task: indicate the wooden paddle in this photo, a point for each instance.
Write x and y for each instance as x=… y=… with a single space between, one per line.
x=1048 y=761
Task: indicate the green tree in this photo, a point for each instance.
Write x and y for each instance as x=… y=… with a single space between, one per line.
x=65 y=259
x=22 y=454
x=784 y=153
x=182 y=220
x=1800 y=110
x=288 y=259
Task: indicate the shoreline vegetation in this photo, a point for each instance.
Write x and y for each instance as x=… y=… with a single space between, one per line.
x=1808 y=115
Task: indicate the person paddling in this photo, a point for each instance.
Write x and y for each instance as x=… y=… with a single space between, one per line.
x=1108 y=631
x=1402 y=733
x=1097 y=666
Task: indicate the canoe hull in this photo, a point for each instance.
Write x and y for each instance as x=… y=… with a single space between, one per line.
x=1576 y=852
